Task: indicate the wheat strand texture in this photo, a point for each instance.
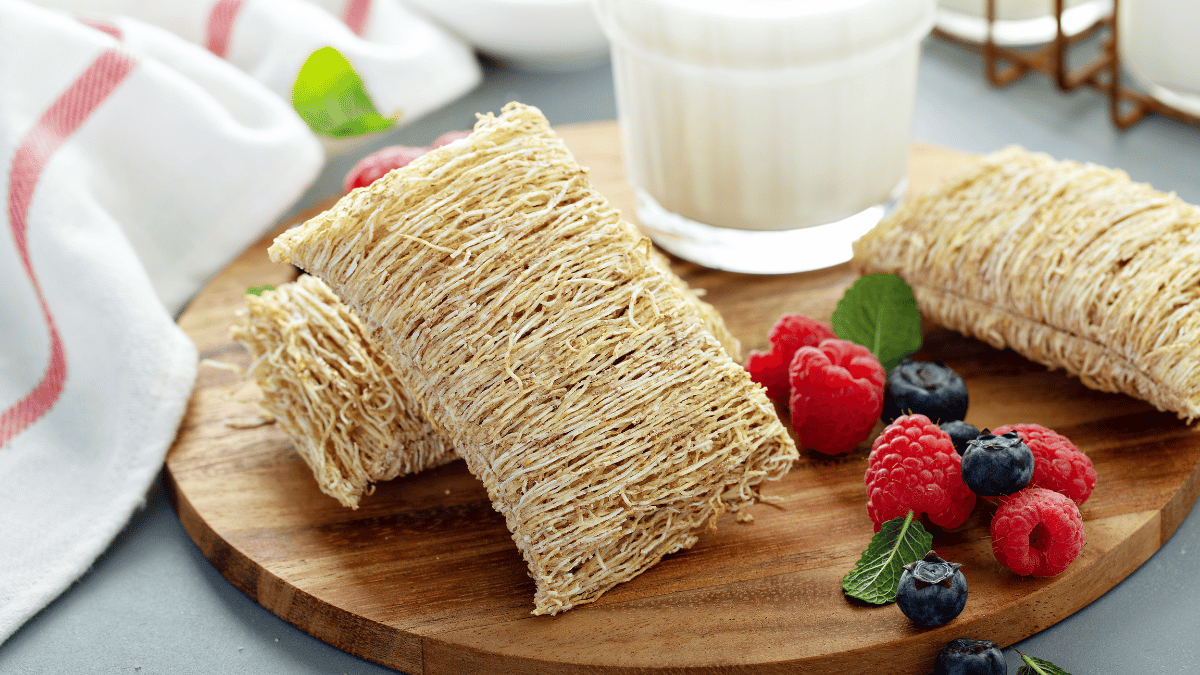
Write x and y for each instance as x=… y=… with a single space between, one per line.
x=333 y=392
x=573 y=374
x=1071 y=265
x=708 y=314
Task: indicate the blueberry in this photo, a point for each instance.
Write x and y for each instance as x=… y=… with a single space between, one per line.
x=930 y=389
x=970 y=657
x=997 y=465
x=932 y=591
x=960 y=432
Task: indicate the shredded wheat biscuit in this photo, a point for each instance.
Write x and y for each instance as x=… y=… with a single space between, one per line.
x=1071 y=265
x=333 y=392
x=299 y=336
x=708 y=314
x=571 y=372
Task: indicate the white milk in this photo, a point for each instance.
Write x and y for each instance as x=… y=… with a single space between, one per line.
x=1018 y=22
x=764 y=135
x=1160 y=45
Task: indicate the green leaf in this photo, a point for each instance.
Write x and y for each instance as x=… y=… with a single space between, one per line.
x=880 y=313
x=332 y=98
x=1035 y=666
x=876 y=575
x=258 y=290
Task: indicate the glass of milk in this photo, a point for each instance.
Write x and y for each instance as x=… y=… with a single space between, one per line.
x=764 y=136
x=1018 y=22
x=1158 y=44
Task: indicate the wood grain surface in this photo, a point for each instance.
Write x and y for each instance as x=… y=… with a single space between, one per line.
x=425 y=578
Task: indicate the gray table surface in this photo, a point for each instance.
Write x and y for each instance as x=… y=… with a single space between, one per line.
x=153 y=604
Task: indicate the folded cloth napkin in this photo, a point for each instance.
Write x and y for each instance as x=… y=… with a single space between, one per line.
x=137 y=162
x=337 y=61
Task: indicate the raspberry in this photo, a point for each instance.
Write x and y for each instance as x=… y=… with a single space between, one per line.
x=790 y=332
x=1057 y=464
x=767 y=369
x=1037 y=531
x=913 y=465
x=448 y=138
x=837 y=394
x=375 y=165
x=793 y=331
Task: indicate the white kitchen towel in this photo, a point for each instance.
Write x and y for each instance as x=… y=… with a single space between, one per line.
x=135 y=166
x=337 y=60
x=145 y=143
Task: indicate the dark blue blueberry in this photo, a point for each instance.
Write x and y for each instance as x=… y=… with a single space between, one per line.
x=970 y=657
x=960 y=432
x=997 y=465
x=929 y=389
x=932 y=591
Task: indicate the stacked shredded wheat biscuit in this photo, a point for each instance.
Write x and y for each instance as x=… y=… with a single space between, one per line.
x=574 y=374
x=1073 y=266
x=333 y=392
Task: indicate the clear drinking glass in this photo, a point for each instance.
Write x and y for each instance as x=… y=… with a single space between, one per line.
x=1160 y=45
x=1018 y=22
x=764 y=136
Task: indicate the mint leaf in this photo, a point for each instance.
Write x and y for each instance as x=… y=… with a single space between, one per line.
x=258 y=290
x=1035 y=666
x=880 y=313
x=332 y=98
x=876 y=575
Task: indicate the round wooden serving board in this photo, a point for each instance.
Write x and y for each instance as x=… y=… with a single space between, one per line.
x=424 y=577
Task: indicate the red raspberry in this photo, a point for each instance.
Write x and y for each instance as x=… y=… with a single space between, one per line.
x=767 y=369
x=1057 y=464
x=448 y=138
x=790 y=332
x=1037 y=531
x=793 y=331
x=375 y=165
x=913 y=465
x=837 y=394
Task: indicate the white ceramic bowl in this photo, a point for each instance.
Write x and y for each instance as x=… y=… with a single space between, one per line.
x=542 y=35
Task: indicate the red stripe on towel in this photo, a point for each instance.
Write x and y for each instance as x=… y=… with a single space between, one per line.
x=60 y=120
x=355 y=15
x=220 y=25
x=102 y=26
